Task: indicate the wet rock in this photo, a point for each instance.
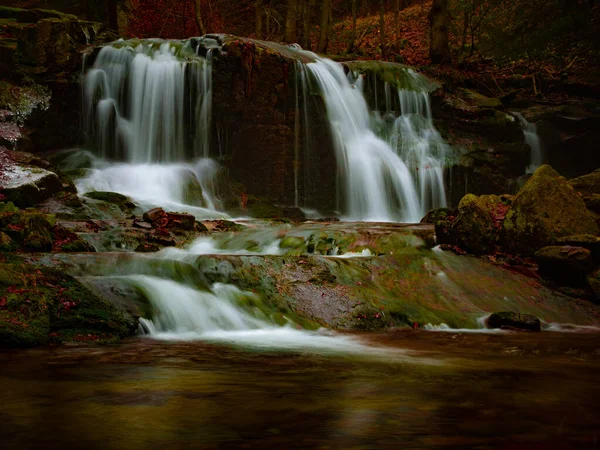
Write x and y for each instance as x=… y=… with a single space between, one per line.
x=292 y=242
x=566 y=264
x=111 y=197
x=24 y=184
x=154 y=215
x=513 y=320
x=142 y=225
x=147 y=247
x=545 y=209
x=222 y=225
x=181 y=221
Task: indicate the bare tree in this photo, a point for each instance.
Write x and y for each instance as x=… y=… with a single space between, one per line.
x=259 y=13
x=382 y=26
x=323 y=36
x=291 y=31
x=439 y=20
x=352 y=39
x=199 y=21
x=399 y=5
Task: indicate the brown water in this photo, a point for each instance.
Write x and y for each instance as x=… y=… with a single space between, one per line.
x=507 y=391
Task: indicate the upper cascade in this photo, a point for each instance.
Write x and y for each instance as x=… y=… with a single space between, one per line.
x=149 y=101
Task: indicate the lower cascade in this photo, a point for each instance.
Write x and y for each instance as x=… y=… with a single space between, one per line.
x=185 y=313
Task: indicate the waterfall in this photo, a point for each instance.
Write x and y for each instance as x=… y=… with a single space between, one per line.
x=149 y=105
x=388 y=170
x=144 y=101
x=532 y=138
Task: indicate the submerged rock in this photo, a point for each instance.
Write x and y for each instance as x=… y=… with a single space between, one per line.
x=545 y=209
x=513 y=320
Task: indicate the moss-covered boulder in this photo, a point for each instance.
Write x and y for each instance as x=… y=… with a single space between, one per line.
x=587 y=184
x=514 y=320
x=592 y=202
x=566 y=264
x=40 y=305
x=477 y=226
x=545 y=209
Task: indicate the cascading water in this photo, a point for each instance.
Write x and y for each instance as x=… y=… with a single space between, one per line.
x=185 y=313
x=532 y=138
x=387 y=171
x=149 y=105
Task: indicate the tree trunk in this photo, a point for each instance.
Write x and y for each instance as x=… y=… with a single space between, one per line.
x=364 y=6
x=308 y=8
x=199 y=21
x=382 y=27
x=291 y=32
x=323 y=38
x=397 y=24
x=439 y=19
x=352 y=39
x=259 y=13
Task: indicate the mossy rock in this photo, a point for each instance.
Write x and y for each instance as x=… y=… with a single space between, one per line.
x=546 y=209
x=587 y=184
x=40 y=304
x=111 y=197
x=438 y=214
x=292 y=242
x=6 y=243
x=566 y=264
x=475 y=228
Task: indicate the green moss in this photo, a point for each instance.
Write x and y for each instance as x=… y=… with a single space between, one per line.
x=40 y=303
x=545 y=209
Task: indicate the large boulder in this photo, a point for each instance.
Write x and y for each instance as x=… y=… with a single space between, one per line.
x=587 y=185
x=478 y=223
x=567 y=264
x=25 y=184
x=39 y=305
x=545 y=209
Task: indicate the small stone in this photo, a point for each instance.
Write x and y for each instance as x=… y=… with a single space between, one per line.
x=154 y=215
x=142 y=225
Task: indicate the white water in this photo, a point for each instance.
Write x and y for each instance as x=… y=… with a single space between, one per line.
x=397 y=176
x=184 y=313
x=532 y=138
x=181 y=187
